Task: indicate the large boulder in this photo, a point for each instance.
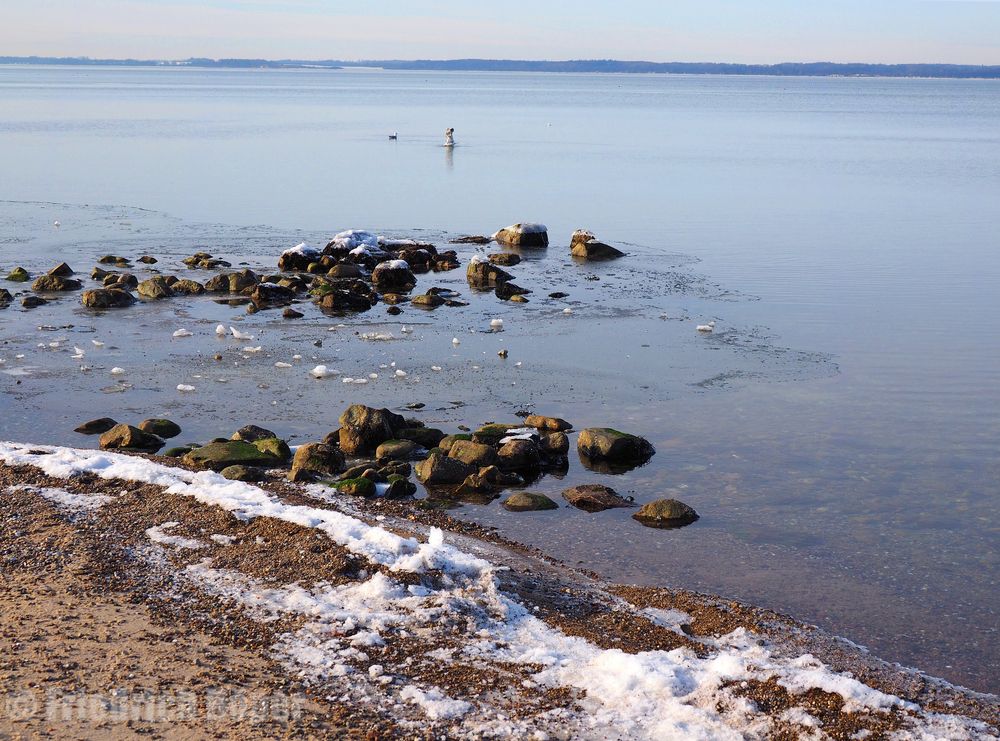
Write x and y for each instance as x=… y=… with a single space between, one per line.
x=363 y=429
x=316 y=459
x=45 y=283
x=155 y=288
x=107 y=298
x=523 y=235
x=127 y=437
x=519 y=455
x=594 y=497
x=666 y=514
x=393 y=276
x=188 y=287
x=440 y=470
x=473 y=454
x=219 y=455
x=606 y=444
x=585 y=245
x=527 y=501
x=299 y=257
x=481 y=273
x=274 y=446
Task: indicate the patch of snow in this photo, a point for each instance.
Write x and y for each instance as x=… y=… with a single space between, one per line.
x=159 y=534
x=435 y=704
x=304 y=249
x=182 y=333
x=65 y=499
x=185 y=388
x=393 y=265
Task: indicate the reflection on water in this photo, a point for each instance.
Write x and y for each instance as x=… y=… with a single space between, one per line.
x=838 y=433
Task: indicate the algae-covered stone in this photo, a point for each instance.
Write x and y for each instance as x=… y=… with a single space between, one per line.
x=359 y=487
x=178 y=451
x=492 y=434
x=399 y=487
x=594 y=497
x=19 y=275
x=273 y=446
x=160 y=427
x=219 y=455
x=96 y=426
x=665 y=513
x=127 y=437
x=527 y=501
x=604 y=443
x=316 y=459
x=448 y=441
x=242 y=473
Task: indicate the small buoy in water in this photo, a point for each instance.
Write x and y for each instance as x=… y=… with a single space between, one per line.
x=456 y=341
x=707 y=328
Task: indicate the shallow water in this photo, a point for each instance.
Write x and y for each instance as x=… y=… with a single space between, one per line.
x=838 y=434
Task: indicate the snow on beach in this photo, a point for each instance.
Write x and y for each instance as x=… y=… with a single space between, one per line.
x=649 y=694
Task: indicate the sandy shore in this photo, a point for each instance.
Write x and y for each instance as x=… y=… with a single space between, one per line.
x=112 y=628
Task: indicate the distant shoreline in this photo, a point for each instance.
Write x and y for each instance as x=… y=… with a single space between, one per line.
x=789 y=69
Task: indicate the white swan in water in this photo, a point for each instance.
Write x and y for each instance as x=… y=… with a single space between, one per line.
x=708 y=328
x=449 y=137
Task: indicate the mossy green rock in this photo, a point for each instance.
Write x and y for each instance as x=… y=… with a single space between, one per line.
x=160 y=427
x=219 y=455
x=19 y=275
x=399 y=487
x=177 y=452
x=665 y=513
x=359 y=487
x=527 y=501
x=242 y=473
x=273 y=446
x=604 y=443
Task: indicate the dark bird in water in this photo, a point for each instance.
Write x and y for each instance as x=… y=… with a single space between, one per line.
x=394 y=136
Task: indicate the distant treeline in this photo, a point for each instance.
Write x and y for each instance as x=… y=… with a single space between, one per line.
x=789 y=69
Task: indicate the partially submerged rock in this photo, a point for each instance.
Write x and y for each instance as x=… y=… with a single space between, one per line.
x=19 y=275
x=481 y=273
x=613 y=446
x=107 y=298
x=552 y=424
x=251 y=433
x=396 y=450
x=393 y=276
x=666 y=514
x=163 y=428
x=594 y=498
x=46 y=283
x=127 y=437
x=62 y=270
x=523 y=235
x=527 y=501
x=96 y=426
x=585 y=245
x=441 y=470
x=473 y=454
x=155 y=288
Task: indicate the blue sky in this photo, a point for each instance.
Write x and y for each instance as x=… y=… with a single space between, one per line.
x=960 y=31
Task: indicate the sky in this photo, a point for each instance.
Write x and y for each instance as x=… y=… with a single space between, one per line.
x=751 y=31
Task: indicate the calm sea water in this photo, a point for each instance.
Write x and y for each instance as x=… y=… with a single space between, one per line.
x=841 y=438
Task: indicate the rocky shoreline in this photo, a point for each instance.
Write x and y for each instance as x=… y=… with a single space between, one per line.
x=89 y=519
